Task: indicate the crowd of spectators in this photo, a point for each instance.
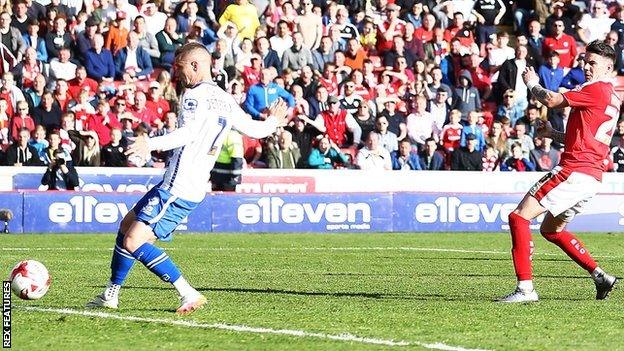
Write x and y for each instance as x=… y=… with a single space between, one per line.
x=403 y=85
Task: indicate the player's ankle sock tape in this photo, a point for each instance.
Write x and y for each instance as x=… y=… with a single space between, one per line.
x=522 y=246
x=573 y=247
x=121 y=263
x=157 y=261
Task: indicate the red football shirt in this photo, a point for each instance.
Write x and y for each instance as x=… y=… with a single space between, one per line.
x=595 y=111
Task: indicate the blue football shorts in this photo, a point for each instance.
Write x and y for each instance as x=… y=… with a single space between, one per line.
x=162 y=211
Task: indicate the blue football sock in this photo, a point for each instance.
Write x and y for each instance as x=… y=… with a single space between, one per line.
x=122 y=261
x=158 y=262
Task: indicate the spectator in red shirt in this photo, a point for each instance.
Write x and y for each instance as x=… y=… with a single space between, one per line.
x=103 y=122
x=425 y=33
x=82 y=81
x=21 y=120
x=251 y=74
x=61 y=94
x=563 y=44
x=155 y=102
x=387 y=30
x=142 y=112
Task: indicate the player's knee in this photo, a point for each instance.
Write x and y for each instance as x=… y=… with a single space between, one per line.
x=515 y=218
x=548 y=232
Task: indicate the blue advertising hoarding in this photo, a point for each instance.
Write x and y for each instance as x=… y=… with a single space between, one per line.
x=13 y=202
x=75 y=212
x=302 y=213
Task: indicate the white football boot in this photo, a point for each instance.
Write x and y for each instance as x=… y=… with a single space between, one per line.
x=520 y=296
x=190 y=303
x=108 y=299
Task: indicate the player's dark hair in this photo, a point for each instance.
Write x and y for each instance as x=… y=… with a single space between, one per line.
x=601 y=48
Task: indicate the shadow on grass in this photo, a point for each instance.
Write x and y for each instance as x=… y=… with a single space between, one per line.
x=354 y=294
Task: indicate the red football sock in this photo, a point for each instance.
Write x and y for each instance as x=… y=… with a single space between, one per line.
x=573 y=247
x=522 y=246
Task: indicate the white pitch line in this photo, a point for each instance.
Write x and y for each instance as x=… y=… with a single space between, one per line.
x=247 y=329
x=246 y=249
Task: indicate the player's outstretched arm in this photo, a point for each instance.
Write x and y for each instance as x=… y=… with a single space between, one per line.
x=551 y=99
x=259 y=129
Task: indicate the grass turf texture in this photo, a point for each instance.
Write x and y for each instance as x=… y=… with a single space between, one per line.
x=386 y=286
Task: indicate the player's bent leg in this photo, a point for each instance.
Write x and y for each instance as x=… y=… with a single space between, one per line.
x=522 y=249
x=553 y=230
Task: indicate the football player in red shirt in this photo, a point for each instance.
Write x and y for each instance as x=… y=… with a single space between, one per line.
x=563 y=192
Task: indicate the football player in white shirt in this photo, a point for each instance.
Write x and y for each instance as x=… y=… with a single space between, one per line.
x=206 y=115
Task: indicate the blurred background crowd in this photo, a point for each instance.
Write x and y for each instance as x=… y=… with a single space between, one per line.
x=371 y=84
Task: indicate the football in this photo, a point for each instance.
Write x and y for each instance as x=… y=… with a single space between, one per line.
x=30 y=280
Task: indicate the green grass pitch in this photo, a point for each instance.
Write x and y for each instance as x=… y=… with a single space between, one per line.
x=409 y=291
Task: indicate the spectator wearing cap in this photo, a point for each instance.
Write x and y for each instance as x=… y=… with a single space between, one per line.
x=102 y=122
x=390 y=28
x=467 y=158
x=550 y=74
x=83 y=39
x=133 y=60
x=268 y=56
x=466 y=97
x=373 y=156
x=156 y=102
x=430 y=159
x=100 y=65
x=62 y=67
x=147 y=40
x=82 y=82
x=244 y=15
x=32 y=39
x=404 y=159
x=13 y=37
x=260 y=96
x=117 y=36
x=297 y=55
x=57 y=38
x=26 y=71
x=168 y=42
x=310 y=25
x=336 y=122
x=563 y=44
